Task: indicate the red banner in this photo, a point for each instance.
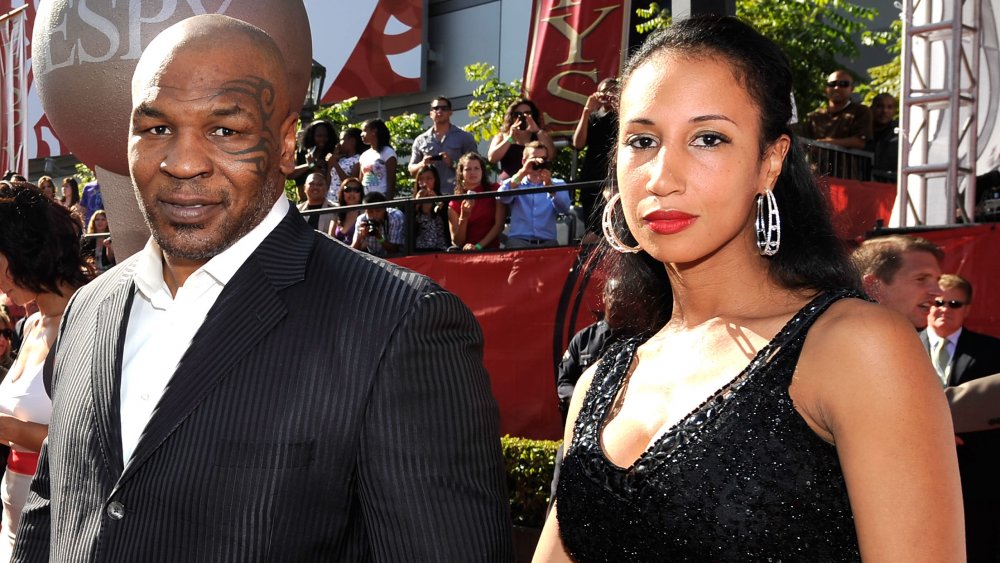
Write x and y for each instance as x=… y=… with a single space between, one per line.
x=574 y=44
x=529 y=304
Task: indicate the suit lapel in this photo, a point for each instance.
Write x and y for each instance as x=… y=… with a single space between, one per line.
x=106 y=369
x=245 y=313
x=960 y=360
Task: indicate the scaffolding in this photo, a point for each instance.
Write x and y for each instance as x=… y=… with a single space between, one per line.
x=13 y=91
x=938 y=141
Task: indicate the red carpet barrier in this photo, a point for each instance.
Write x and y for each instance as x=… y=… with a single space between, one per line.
x=529 y=304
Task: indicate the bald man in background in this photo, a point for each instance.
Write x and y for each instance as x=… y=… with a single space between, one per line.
x=204 y=407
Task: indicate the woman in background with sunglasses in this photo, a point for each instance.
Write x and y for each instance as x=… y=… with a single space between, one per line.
x=342 y=227
x=40 y=261
x=521 y=125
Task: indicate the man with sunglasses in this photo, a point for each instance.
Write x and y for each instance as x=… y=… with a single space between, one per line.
x=842 y=121
x=961 y=356
x=441 y=146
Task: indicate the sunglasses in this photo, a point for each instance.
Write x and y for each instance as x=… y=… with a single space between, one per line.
x=440 y=108
x=838 y=84
x=353 y=190
x=7 y=333
x=952 y=304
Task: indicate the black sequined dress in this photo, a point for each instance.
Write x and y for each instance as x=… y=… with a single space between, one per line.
x=741 y=478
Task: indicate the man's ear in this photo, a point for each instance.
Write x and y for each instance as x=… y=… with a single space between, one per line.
x=287 y=137
x=872 y=286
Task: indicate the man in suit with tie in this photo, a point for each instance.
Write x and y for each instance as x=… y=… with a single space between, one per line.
x=204 y=407
x=960 y=355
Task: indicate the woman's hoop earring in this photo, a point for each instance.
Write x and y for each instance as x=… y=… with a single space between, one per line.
x=768 y=224
x=607 y=225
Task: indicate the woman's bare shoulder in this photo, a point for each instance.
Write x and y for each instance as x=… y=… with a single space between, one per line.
x=863 y=354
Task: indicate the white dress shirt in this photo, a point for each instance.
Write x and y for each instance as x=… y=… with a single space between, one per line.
x=950 y=342
x=161 y=327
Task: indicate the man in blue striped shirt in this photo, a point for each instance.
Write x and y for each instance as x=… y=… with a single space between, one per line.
x=533 y=216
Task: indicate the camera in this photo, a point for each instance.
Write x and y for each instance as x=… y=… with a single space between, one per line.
x=522 y=124
x=544 y=165
x=438 y=156
x=372 y=227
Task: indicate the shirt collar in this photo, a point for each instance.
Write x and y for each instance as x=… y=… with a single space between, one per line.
x=933 y=338
x=222 y=267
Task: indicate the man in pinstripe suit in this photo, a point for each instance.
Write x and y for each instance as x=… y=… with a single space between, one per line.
x=205 y=406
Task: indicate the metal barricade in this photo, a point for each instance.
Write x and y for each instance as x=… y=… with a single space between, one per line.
x=831 y=160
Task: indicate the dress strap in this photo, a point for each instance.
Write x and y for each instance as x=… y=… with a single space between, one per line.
x=612 y=367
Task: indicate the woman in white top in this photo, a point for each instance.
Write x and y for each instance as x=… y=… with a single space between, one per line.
x=40 y=261
x=345 y=161
x=378 y=164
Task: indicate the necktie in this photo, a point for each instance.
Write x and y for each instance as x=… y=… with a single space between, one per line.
x=941 y=360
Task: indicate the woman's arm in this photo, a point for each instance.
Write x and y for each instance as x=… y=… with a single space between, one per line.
x=390 y=177
x=499 y=146
x=550 y=548
x=333 y=164
x=458 y=224
x=498 y=221
x=865 y=383
x=28 y=435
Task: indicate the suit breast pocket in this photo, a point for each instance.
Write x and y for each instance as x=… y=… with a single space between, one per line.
x=264 y=455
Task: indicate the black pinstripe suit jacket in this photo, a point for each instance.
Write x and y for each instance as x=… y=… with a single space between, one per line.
x=332 y=407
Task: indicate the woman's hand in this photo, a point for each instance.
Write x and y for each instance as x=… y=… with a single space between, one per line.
x=466 y=210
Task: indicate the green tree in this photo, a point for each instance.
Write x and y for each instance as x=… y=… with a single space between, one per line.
x=83 y=174
x=814 y=34
x=884 y=78
x=489 y=100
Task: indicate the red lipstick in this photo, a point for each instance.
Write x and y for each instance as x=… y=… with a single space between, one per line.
x=668 y=222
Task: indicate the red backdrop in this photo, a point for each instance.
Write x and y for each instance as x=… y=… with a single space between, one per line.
x=531 y=302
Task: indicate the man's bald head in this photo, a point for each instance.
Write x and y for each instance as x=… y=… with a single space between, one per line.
x=212 y=135
x=243 y=48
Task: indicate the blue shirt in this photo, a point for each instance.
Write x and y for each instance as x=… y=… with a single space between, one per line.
x=534 y=216
x=91 y=200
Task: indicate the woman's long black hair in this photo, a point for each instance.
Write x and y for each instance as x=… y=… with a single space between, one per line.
x=811 y=256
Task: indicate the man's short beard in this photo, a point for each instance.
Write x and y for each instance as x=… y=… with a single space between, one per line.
x=186 y=243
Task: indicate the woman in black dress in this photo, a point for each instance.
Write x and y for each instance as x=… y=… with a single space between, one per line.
x=771 y=414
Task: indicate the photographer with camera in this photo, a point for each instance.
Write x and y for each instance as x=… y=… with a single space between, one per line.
x=379 y=231
x=441 y=145
x=521 y=125
x=533 y=216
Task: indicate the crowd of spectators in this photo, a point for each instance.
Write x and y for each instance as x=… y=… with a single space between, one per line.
x=445 y=161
